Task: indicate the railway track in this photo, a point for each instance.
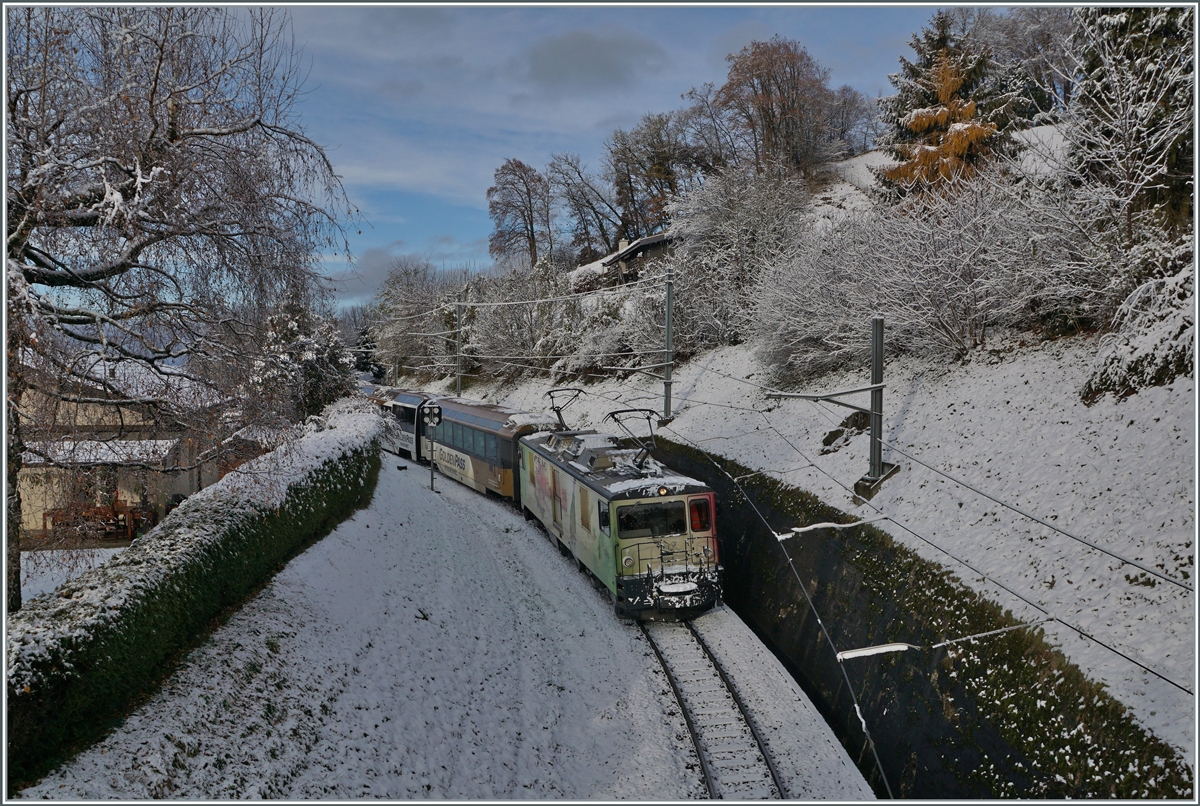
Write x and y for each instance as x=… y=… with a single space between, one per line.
x=733 y=759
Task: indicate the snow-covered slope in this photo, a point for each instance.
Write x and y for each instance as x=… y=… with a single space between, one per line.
x=435 y=646
x=1120 y=474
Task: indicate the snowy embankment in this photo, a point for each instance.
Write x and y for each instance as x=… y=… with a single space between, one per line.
x=1120 y=473
x=435 y=646
x=74 y=656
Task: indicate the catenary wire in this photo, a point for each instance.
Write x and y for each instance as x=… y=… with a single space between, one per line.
x=986 y=576
x=1005 y=504
x=828 y=638
x=1019 y=511
x=450 y=304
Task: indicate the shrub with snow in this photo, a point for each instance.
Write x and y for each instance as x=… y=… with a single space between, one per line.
x=1154 y=342
x=946 y=270
x=729 y=231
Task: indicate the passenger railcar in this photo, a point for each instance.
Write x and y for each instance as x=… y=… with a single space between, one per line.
x=645 y=533
x=476 y=443
x=403 y=405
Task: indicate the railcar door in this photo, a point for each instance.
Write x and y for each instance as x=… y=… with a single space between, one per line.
x=556 y=507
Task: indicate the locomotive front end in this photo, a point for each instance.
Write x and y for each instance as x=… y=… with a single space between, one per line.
x=668 y=562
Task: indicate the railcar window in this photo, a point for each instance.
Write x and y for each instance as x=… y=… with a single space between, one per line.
x=480 y=444
x=456 y=435
x=407 y=417
x=652 y=520
x=493 y=449
x=506 y=453
x=700 y=517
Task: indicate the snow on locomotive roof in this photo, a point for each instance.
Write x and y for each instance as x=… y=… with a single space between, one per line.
x=597 y=459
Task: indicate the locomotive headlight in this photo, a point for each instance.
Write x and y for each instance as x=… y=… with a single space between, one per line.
x=707 y=551
x=662 y=490
x=627 y=562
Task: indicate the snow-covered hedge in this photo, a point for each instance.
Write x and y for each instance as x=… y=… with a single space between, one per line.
x=77 y=657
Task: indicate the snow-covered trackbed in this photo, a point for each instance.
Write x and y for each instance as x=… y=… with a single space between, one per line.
x=434 y=646
x=736 y=764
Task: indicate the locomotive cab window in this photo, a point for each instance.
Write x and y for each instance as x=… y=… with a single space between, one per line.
x=602 y=515
x=701 y=518
x=652 y=520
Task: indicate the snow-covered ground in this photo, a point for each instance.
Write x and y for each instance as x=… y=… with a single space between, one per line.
x=1120 y=474
x=436 y=646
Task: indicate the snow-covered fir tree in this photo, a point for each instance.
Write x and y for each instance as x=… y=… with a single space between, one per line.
x=947 y=139
x=304 y=364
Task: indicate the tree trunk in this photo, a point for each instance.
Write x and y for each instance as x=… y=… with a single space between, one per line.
x=15 y=447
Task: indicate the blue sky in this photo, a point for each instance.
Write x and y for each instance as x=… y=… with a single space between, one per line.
x=418 y=105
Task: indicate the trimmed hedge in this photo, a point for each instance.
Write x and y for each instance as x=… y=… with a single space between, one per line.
x=78 y=658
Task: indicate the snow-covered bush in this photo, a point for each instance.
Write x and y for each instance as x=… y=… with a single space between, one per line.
x=506 y=336
x=944 y=269
x=1154 y=338
x=728 y=231
x=77 y=656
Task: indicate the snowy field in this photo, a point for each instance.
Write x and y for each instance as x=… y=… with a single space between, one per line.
x=1120 y=474
x=434 y=646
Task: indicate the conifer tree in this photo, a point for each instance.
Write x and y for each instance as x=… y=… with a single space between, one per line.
x=932 y=123
x=947 y=137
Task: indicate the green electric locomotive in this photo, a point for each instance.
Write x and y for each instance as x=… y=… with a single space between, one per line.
x=646 y=533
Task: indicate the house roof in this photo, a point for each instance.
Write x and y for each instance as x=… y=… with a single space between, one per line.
x=637 y=246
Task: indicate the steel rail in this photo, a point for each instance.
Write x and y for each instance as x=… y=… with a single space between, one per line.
x=737 y=700
x=687 y=716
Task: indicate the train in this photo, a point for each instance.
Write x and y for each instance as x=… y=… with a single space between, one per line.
x=645 y=533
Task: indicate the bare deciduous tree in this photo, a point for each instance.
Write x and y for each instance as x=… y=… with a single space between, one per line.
x=648 y=167
x=522 y=210
x=412 y=332
x=780 y=97
x=161 y=193
x=589 y=206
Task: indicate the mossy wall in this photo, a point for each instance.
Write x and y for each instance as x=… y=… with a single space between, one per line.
x=86 y=684
x=1002 y=716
